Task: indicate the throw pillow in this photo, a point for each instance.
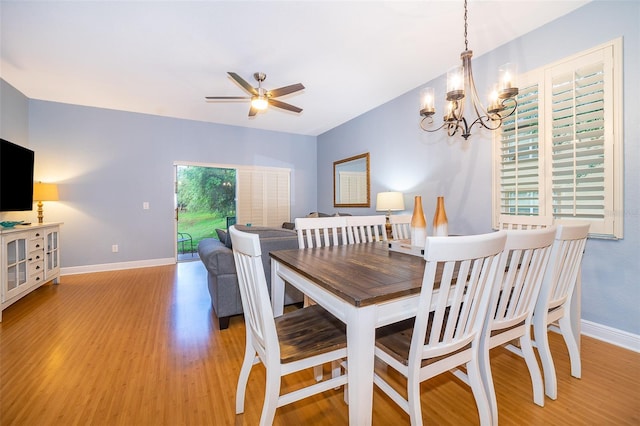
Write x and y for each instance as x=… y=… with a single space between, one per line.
x=222 y=235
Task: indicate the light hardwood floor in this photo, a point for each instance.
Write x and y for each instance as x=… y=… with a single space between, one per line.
x=141 y=347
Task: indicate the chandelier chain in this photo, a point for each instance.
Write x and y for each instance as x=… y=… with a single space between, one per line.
x=466 y=42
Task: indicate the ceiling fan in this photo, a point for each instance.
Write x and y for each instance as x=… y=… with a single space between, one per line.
x=260 y=97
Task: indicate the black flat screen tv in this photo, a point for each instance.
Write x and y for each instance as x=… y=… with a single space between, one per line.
x=16 y=177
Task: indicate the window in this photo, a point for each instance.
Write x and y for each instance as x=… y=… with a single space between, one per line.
x=263 y=196
x=560 y=153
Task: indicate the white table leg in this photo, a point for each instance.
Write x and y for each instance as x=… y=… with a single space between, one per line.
x=360 y=353
x=277 y=289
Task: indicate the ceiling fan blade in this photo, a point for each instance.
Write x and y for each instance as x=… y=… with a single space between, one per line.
x=279 y=104
x=242 y=82
x=285 y=90
x=252 y=111
x=226 y=97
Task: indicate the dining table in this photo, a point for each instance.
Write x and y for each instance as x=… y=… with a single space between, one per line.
x=364 y=285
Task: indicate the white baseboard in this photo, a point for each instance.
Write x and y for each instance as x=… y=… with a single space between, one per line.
x=104 y=267
x=611 y=335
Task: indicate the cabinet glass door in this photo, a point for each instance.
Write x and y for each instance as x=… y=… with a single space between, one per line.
x=16 y=264
x=52 y=251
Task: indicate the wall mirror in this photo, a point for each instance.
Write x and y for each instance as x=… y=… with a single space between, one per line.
x=351 y=182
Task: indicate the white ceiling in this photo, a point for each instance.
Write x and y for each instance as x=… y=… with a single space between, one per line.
x=164 y=57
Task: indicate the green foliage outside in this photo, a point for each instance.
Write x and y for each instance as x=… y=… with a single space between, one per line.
x=200 y=225
x=206 y=197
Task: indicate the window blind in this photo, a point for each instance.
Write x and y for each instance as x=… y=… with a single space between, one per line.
x=263 y=196
x=519 y=157
x=560 y=154
x=578 y=139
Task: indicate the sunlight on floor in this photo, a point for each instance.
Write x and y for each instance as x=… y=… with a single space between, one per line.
x=192 y=316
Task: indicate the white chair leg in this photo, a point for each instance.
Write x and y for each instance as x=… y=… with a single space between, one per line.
x=318 y=373
x=413 y=398
x=487 y=379
x=271 y=395
x=572 y=346
x=534 y=370
x=247 y=363
x=549 y=370
x=479 y=393
x=336 y=370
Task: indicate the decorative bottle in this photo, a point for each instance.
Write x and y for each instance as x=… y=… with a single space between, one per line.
x=440 y=223
x=418 y=224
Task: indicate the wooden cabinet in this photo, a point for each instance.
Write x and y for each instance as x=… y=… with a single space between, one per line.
x=30 y=257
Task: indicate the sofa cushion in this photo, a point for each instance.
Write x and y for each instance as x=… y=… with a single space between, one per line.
x=222 y=235
x=217 y=258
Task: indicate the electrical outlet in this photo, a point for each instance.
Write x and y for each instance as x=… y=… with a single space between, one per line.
x=145 y=205
x=114 y=248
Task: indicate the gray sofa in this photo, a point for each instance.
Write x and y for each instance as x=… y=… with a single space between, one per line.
x=217 y=257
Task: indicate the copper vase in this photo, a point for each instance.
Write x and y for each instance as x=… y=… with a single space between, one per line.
x=418 y=224
x=440 y=223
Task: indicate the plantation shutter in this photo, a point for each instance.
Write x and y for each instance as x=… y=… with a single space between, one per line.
x=520 y=156
x=581 y=167
x=560 y=153
x=263 y=196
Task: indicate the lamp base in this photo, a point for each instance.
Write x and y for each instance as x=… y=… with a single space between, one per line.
x=40 y=215
x=387 y=227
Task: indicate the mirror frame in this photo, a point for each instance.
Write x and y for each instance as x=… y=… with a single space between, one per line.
x=336 y=166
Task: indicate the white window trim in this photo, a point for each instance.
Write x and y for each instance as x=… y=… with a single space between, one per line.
x=613 y=129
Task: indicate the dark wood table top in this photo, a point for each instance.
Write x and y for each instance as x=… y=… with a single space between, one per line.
x=361 y=274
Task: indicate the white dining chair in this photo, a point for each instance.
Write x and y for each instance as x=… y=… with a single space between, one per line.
x=400 y=226
x=366 y=229
x=507 y=221
x=295 y=341
x=450 y=315
x=554 y=301
x=521 y=268
x=321 y=231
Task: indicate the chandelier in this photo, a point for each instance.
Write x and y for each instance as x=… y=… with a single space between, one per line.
x=502 y=102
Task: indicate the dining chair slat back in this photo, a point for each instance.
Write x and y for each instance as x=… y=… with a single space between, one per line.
x=366 y=229
x=555 y=298
x=507 y=221
x=400 y=226
x=459 y=273
x=521 y=268
x=321 y=231
x=297 y=340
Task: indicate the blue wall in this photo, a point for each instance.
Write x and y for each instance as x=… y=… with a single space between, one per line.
x=107 y=163
x=14 y=115
x=405 y=158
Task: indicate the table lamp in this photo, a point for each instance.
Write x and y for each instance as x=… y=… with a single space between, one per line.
x=389 y=201
x=44 y=192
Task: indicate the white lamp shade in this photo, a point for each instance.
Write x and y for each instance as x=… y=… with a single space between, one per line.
x=390 y=201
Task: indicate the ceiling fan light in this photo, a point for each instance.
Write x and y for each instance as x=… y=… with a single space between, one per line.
x=259 y=102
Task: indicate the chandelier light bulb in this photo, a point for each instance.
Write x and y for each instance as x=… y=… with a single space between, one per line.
x=427 y=104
